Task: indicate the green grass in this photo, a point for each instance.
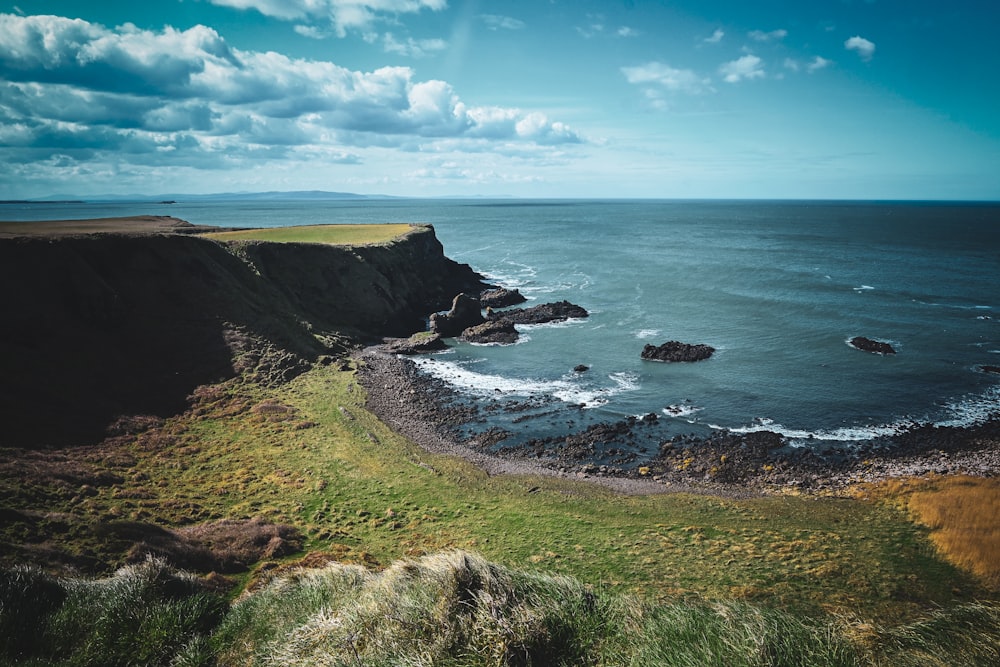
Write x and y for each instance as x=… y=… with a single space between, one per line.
x=363 y=494
x=330 y=234
x=448 y=609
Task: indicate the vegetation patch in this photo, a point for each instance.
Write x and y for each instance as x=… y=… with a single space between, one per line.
x=330 y=234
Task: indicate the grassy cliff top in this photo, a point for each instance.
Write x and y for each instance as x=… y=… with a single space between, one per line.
x=331 y=234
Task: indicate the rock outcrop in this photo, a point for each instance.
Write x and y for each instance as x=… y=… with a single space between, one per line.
x=873 y=346
x=466 y=311
x=675 y=351
x=541 y=314
x=492 y=331
x=111 y=324
x=501 y=297
x=418 y=343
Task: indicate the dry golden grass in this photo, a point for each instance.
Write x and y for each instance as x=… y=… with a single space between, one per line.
x=962 y=513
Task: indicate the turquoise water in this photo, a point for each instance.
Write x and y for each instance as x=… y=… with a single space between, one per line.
x=778 y=288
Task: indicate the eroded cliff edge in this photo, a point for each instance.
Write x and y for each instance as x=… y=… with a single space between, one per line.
x=96 y=326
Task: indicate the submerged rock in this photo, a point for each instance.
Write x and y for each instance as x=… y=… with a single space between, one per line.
x=673 y=351
x=873 y=346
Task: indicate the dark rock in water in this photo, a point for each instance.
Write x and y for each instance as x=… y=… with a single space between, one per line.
x=869 y=345
x=581 y=368
x=546 y=312
x=418 y=343
x=501 y=297
x=990 y=369
x=495 y=331
x=466 y=311
x=677 y=351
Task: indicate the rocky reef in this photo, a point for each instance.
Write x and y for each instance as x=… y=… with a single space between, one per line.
x=675 y=351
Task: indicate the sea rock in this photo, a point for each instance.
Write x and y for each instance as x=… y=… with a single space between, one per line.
x=676 y=351
x=873 y=346
x=990 y=369
x=494 y=331
x=466 y=311
x=419 y=343
x=501 y=297
x=546 y=312
x=581 y=368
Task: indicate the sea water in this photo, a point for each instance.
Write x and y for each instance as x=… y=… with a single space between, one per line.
x=777 y=288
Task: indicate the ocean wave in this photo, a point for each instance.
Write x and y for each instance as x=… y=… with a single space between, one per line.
x=681 y=411
x=566 y=389
x=964 y=412
x=644 y=334
x=863 y=288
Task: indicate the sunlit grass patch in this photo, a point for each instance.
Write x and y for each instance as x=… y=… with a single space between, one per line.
x=330 y=234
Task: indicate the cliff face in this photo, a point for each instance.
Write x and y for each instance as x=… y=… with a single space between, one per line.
x=96 y=327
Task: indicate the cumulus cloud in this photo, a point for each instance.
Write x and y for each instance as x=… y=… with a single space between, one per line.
x=818 y=63
x=343 y=15
x=626 y=31
x=716 y=37
x=865 y=48
x=761 y=36
x=665 y=76
x=75 y=87
x=747 y=67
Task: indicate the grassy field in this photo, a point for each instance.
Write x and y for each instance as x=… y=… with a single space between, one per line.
x=332 y=234
x=309 y=455
x=862 y=572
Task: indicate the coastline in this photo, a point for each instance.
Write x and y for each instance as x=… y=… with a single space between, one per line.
x=728 y=465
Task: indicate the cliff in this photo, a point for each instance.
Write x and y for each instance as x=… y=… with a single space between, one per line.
x=97 y=326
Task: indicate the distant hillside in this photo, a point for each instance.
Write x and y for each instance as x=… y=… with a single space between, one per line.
x=297 y=195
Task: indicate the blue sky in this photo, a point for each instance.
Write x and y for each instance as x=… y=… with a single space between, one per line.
x=859 y=99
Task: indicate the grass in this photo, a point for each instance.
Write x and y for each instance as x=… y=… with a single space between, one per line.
x=308 y=456
x=451 y=609
x=330 y=234
x=961 y=513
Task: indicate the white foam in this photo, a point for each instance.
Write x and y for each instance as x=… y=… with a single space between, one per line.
x=681 y=411
x=863 y=288
x=566 y=389
x=644 y=334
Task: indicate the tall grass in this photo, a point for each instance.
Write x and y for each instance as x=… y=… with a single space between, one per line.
x=142 y=615
x=962 y=515
x=450 y=609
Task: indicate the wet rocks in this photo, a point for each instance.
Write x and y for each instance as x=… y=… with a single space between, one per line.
x=419 y=343
x=674 y=351
x=989 y=369
x=466 y=311
x=541 y=314
x=492 y=331
x=873 y=346
x=500 y=297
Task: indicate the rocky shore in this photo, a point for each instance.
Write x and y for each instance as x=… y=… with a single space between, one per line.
x=729 y=464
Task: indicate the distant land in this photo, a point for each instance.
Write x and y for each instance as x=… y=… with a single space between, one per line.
x=298 y=195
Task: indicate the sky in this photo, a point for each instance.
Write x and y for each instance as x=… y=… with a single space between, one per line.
x=830 y=99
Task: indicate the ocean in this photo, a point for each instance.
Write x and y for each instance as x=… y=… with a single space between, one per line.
x=777 y=288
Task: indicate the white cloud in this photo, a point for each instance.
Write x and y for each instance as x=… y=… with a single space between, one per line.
x=864 y=47
x=670 y=78
x=78 y=88
x=716 y=37
x=818 y=63
x=312 y=32
x=498 y=22
x=761 y=36
x=343 y=15
x=792 y=64
x=413 y=48
x=626 y=31
x=747 y=67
